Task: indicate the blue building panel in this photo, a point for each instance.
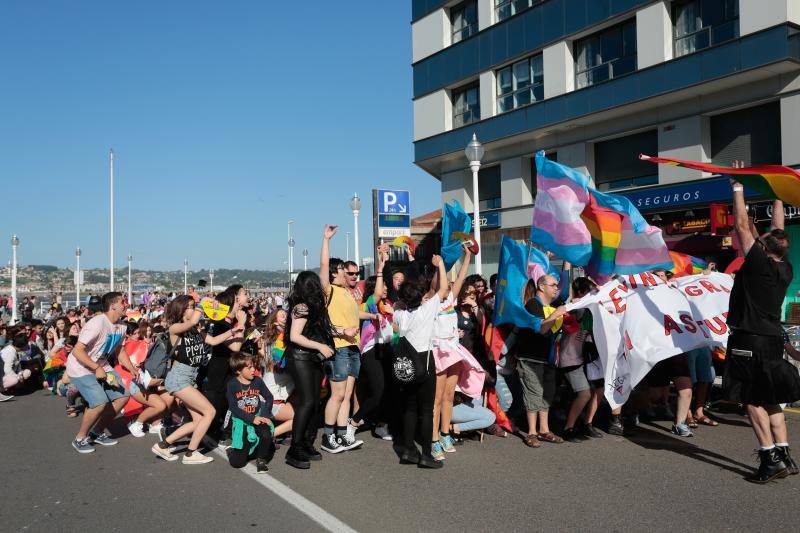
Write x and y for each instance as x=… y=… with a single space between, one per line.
x=752 y=51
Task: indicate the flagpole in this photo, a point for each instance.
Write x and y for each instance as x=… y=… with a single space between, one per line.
x=111 y=258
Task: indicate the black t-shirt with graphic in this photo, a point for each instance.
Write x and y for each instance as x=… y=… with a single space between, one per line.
x=249 y=401
x=758 y=292
x=192 y=350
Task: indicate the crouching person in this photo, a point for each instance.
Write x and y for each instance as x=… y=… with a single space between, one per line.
x=250 y=405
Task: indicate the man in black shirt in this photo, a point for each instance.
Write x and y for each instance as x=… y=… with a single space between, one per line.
x=755 y=373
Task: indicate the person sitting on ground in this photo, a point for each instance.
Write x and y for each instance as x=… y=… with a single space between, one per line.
x=13 y=375
x=250 y=404
x=275 y=375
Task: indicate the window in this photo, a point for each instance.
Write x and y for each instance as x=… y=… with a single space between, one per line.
x=607 y=55
x=466 y=106
x=464 y=20
x=699 y=24
x=752 y=135
x=508 y=8
x=489 y=188
x=617 y=162
x=520 y=84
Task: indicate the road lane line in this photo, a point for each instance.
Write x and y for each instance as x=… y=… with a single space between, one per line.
x=292 y=497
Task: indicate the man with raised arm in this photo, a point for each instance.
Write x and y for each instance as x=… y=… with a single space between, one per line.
x=755 y=373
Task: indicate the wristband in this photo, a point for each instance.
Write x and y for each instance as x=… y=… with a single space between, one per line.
x=738 y=188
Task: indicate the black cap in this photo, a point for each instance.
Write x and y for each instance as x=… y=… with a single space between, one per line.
x=95 y=305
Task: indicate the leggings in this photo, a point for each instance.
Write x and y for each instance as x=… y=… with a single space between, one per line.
x=307 y=376
x=370 y=387
x=416 y=402
x=217 y=373
x=265 y=449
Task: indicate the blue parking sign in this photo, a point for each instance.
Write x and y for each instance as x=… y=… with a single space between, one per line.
x=393 y=202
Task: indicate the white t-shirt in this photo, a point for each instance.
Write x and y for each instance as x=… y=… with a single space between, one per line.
x=445 y=328
x=10 y=360
x=418 y=325
x=102 y=339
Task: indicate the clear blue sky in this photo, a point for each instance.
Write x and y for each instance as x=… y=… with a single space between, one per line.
x=226 y=119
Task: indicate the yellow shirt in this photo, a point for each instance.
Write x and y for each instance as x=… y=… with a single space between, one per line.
x=343 y=314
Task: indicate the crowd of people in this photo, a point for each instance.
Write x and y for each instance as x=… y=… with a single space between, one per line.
x=406 y=355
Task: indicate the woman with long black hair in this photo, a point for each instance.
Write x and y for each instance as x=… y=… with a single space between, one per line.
x=310 y=342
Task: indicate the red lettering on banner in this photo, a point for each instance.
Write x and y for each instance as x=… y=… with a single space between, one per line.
x=670 y=324
x=709 y=286
x=619 y=306
x=703 y=331
x=628 y=343
x=692 y=290
x=632 y=281
x=648 y=279
x=725 y=315
x=724 y=288
x=721 y=326
x=688 y=323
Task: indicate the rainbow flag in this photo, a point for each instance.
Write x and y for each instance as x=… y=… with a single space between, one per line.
x=686 y=265
x=590 y=228
x=774 y=181
x=278 y=352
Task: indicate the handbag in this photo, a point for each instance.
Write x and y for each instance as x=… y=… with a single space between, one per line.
x=407 y=365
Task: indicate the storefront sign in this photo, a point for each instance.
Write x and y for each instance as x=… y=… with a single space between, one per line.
x=683 y=194
x=488 y=220
x=689 y=226
x=763 y=212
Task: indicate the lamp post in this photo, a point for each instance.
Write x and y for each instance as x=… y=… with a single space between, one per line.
x=130 y=288
x=305 y=259
x=290 y=243
x=78 y=276
x=474 y=153
x=111 y=198
x=355 y=205
x=347 y=241
x=211 y=281
x=185 y=276
x=14 y=304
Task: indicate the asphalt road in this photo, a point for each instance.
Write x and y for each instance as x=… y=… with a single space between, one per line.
x=651 y=481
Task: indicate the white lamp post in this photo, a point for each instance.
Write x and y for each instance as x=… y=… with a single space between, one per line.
x=290 y=244
x=305 y=259
x=347 y=243
x=185 y=276
x=474 y=153
x=77 y=276
x=14 y=303
x=130 y=287
x=355 y=205
x=211 y=281
x=111 y=258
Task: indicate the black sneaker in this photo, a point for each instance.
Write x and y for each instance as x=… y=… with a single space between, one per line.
x=771 y=467
x=615 y=427
x=261 y=466
x=295 y=458
x=312 y=453
x=783 y=452
x=349 y=442
x=590 y=431
x=427 y=461
x=331 y=444
x=409 y=457
x=572 y=435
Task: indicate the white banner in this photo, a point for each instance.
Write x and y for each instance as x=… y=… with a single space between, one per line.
x=639 y=321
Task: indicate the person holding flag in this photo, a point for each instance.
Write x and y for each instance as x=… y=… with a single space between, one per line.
x=755 y=373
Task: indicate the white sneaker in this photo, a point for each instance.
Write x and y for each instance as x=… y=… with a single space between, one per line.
x=350 y=432
x=136 y=429
x=4 y=398
x=164 y=453
x=154 y=429
x=382 y=431
x=196 y=458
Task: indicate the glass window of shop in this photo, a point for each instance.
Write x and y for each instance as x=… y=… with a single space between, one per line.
x=698 y=24
x=606 y=55
x=489 y=188
x=464 y=20
x=752 y=135
x=504 y=9
x=466 y=105
x=520 y=84
x=617 y=163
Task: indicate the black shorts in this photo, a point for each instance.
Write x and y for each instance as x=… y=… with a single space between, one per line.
x=665 y=371
x=756 y=373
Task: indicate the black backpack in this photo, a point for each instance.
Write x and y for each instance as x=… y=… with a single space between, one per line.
x=159 y=357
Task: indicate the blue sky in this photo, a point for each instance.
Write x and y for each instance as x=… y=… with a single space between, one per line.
x=226 y=119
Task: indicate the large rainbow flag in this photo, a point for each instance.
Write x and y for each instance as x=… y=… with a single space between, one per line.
x=773 y=181
x=604 y=232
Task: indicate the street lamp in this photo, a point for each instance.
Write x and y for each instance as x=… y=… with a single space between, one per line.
x=347 y=240
x=290 y=243
x=130 y=291
x=111 y=198
x=78 y=276
x=185 y=276
x=14 y=244
x=211 y=281
x=305 y=259
x=474 y=153
x=355 y=205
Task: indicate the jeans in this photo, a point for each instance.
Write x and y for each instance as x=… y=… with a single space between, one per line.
x=472 y=416
x=345 y=363
x=307 y=376
x=416 y=403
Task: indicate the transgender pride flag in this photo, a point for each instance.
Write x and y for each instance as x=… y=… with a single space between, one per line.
x=604 y=232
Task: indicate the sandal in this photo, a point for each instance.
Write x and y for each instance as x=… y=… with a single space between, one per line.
x=550 y=437
x=532 y=442
x=691 y=422
x=707 y=421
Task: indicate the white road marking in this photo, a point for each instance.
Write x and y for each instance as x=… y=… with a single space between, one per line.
x=293 y=498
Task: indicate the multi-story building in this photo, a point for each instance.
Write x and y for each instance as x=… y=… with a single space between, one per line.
x=595 y=83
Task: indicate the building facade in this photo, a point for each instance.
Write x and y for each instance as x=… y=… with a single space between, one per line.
x=595 y=83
